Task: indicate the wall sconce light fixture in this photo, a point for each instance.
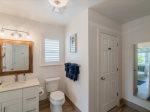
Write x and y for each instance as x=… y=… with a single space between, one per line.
x=15 y=33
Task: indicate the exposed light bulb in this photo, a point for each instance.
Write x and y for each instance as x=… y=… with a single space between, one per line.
x=19 y=35
x=2 y=32
x=28 y=36
x=16 y=35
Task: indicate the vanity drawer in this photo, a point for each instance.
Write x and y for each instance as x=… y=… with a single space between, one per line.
x=10 y=95
x=31 y=108
x=31 y=95
x=32 y=91
x=31 y=99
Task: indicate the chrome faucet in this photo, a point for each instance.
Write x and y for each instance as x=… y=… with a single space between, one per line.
x=24 y=76
x=0 y=82
x=16 y=78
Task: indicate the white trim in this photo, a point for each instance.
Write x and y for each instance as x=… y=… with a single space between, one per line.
x=46 y=65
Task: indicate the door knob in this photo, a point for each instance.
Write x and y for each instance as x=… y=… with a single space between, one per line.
x=109 y=48
x=103 y=78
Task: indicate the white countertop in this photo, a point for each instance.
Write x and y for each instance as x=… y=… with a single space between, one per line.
x=19 y=85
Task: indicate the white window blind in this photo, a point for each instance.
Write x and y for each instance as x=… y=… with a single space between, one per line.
x=51 y=51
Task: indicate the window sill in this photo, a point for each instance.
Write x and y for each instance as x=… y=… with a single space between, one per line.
x=46 y=65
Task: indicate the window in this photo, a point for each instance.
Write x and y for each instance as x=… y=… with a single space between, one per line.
x=141 y=58
x=51 y=51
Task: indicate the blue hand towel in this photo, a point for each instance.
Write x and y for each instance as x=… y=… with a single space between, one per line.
x=67 y=66
x=74 y=72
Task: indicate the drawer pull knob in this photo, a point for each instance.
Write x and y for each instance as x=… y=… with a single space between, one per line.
x=31 y=98
x=31 y=110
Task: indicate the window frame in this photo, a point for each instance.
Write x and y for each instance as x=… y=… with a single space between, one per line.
x=43 y=63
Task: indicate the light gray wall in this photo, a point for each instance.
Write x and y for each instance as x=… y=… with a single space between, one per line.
x=78 y=91
x=132 y=33
x=38 y=31
x=99 y=23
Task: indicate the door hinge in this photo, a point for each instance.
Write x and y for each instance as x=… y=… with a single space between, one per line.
x=109 y=48
x=117 y=69
x=117 y=44
x=117 y=94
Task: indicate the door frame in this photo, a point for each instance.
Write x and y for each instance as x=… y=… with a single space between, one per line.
x=135 y=91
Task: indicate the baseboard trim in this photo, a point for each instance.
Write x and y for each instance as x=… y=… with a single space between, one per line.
x=74 y=106
x=134 y=106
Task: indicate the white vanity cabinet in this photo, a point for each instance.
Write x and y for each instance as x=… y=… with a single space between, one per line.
x=12 y=106
x=11 y=101
x=20 y=100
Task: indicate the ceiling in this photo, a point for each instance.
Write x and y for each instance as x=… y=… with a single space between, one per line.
x=123 y=11
x=40 y=10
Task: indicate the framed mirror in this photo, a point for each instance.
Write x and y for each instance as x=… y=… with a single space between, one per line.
x=142 y=70
x=16 y=57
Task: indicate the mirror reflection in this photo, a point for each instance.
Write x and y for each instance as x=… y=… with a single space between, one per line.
x=15 y=57
x=142 y=71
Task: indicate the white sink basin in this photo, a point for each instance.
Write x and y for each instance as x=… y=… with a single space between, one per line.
x=18 y=85
x=13 y=84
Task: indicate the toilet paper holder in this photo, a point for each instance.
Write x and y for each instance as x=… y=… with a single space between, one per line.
x=41 y=91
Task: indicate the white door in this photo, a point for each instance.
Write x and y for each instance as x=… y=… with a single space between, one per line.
x=12 y=106
x=108 y=67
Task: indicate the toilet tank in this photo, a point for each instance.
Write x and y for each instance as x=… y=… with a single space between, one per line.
x=52 y=84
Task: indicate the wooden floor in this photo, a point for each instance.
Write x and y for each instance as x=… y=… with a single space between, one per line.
x=123 y=109
x=45 y=107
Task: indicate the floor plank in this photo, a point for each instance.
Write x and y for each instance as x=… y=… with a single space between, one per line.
x=123 y=109
x=45 y=107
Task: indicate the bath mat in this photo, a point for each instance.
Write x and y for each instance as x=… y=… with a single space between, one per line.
x=148 y=98
x=139 y=82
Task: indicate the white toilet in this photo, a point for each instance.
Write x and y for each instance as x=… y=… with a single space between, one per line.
x=57 y=98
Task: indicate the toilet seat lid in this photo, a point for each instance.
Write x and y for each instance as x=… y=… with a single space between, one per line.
x=57 y=95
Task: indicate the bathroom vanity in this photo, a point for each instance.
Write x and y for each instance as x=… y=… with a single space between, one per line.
x=20 y=96
x=16 y=57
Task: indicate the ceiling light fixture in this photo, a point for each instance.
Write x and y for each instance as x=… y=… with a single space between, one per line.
x=58 y=5
x=2 y=33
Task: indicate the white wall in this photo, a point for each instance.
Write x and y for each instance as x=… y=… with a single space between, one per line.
x=99 y=23
x=78 y=91
x=132 y=33
x=38 y=31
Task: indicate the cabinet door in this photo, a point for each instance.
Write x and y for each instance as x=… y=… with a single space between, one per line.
x=12 y=106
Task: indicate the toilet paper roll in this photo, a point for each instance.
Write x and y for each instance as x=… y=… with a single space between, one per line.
x=41 y=91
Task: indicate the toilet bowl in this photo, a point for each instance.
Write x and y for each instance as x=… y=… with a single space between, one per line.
x=57 y=99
